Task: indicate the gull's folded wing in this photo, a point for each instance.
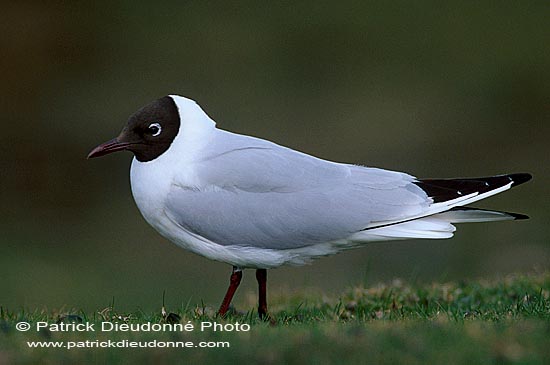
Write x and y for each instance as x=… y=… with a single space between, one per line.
x=256 y=193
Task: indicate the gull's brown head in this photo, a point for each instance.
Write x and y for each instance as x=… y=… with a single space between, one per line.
x=148 y=133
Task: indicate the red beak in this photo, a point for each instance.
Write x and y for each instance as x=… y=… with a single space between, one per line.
x=108 y=147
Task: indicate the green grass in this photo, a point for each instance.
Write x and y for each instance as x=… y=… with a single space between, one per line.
x=498 y=322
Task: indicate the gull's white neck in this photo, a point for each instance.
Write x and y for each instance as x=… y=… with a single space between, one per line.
x=151 y=181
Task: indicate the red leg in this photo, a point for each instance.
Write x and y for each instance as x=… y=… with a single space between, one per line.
x=261 y=276
x=234 y=282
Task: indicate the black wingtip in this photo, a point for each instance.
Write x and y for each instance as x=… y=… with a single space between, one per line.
x=520 y=178
x=518 y=216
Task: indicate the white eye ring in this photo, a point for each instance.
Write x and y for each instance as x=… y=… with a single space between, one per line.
x=157 y=126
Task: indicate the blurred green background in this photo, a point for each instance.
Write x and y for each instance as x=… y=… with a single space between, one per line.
x=436 y=89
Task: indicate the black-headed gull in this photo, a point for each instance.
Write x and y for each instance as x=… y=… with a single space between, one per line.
x=252 y=203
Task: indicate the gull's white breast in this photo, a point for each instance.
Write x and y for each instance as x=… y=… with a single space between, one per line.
x=151 y=183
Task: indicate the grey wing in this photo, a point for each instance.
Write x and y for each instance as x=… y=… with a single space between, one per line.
x=256 y=193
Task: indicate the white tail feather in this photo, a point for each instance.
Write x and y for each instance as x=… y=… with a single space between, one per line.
x=427 y=227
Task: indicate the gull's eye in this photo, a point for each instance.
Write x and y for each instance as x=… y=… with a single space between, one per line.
x=155 y=129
